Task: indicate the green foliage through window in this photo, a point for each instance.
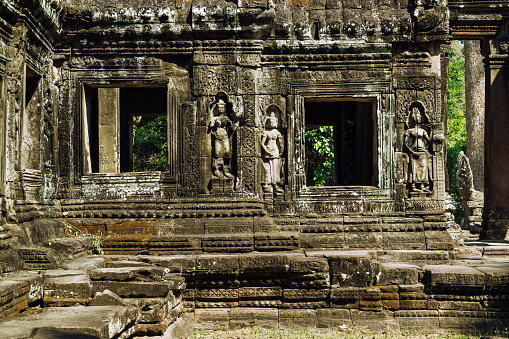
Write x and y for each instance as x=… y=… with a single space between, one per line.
x=456 y=122
x=150 y=145
x=320 y=156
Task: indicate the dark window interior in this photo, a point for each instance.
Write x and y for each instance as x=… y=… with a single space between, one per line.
x=31 y=86
x=352 y=136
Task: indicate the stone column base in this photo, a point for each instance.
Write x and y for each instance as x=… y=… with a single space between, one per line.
x=495 y=225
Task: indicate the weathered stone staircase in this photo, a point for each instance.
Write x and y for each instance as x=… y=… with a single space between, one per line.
x=93 y=296
x=126 y=296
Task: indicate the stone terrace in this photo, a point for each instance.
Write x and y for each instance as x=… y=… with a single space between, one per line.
x=122 y=296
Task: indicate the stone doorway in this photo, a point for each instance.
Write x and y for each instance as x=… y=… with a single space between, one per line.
x=347 y=127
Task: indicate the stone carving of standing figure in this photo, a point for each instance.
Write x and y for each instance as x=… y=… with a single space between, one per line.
x=220 y=126
x=416 y=142
x=273 y=148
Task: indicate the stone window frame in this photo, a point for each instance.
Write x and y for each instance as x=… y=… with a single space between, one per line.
x=31 y=72
x=3 y=130
x=123 y=78
x=376 y=91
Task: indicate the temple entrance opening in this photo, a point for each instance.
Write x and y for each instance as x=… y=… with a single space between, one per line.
x=340 y=138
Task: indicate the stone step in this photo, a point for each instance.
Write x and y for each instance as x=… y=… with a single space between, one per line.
x=127 y=263
x=102 y=322
x=415 y=257
x=39 y=258
x=135 y=289
x=143 y=273
x=13 y=297
x=35 y=283
x=74 y=247
x=86 y=263
x=496 y=251
x=18 y=291
x=66 y=288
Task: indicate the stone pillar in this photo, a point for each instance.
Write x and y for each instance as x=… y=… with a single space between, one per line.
x=109 y=124
x=496 y=175
x=474 y=112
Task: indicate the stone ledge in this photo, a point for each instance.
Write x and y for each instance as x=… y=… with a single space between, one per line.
x=100 y=321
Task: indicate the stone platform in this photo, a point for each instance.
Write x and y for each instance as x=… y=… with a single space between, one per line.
x=465 y=290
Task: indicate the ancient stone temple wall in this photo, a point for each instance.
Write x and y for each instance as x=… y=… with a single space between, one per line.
x=28 y=105
x=238 y=83
x=238 y=86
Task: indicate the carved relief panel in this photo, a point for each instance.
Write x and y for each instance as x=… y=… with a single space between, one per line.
x=421 y=153
x=221 y=128
x=419 y=168
x=272 y=153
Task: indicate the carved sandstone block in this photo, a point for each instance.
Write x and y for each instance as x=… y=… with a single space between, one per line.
x=66 y=288
x=13 y=297
x=305 y=294
x=226 y=263
x=361 y=240
x=263 y=317
x=397 y=274
x=344 y=297
x=260 y=292
x=417 y=320
x=134 y=289
x=265 y=262
x=467 y=321
x=332 y=318
x=309 y=264
x=328 y=240
x=297 y=318
x=127 y=274
x=218 y=293
x=374 y=321
x=404 y=241
x=455 y=279
x=212 y=319
x=497 y=278
x=351 y=270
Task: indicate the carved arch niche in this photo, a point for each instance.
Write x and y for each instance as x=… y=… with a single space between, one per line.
x=221 y=129
x=419 y=144
x=273 y=152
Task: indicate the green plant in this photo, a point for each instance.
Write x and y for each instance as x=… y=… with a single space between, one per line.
x=150 y=145
x=456 y=122
x=320 y=155
x=74 y=232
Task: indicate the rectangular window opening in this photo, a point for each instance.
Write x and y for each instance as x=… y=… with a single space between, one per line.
x=339 y=143
x=31 y=121
x=125 y=129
